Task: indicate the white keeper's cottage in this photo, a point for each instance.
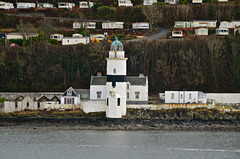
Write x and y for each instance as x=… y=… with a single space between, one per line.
x=116 y=88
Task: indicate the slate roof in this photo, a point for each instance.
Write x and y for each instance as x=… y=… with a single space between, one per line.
x=133 y=80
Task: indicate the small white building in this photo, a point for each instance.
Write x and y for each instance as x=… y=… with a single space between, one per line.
x=66 y=5
x=205 y=23
x=57 y=37
x=6 y=5
x=222 y=0
x=71 y=96
x=112 y=25
x=87 y=25
x=236 y=23
x=77 y=35
x=75 y=40
x=22 y=5
x=140 y=26
x=201 y=31
x=222 y=31
x=171 y=1
x=20 y=35
x=85 y=4
x=125 y=3
x=44 y=5
x=185 y=97
x=149 y=2
x=177 y=34
x=197 y=1
x=226 y=24
x=97 y=36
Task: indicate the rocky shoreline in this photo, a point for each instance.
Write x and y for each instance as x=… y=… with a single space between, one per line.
x=146 y=120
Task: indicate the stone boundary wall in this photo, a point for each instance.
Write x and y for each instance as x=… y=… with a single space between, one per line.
x=62 y=106
x=14 y=95
x=91 y=106
x=225 y=98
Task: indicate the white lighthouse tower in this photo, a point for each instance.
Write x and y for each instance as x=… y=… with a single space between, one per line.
x=116 y=81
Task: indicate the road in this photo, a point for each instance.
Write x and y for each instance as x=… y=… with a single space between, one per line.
x=159 y=35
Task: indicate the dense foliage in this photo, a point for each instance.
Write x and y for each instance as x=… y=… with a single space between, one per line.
x=212 y=63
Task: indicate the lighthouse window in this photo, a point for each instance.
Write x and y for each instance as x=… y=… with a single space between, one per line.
x=118 y=102
x=114 y=70
x=127 y=95
x=99 y=94
x=137 y=95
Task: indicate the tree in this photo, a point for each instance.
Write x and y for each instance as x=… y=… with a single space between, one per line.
x=46 y=29
x=153 y=14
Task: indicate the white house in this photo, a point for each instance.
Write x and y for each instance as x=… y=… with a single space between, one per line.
x=171 y=1
x=222 y=31
x=177 y=34
x=20 y=35
x=116 y=88
x=149 y=2
x=126 y=3
x=205 y=23
x=112 y=25
x=22 y=5
x=226 y=24
x=57 y=37
x=197 y=1
x=236 y=23
x=6 y=5
x=97 y=36
x=44 y=5
x=85 y=4
x=222 y=0
x=75 y=40
x=201 y=31
x=71 y=96
x=185 y=97
x=140 y=26
x=87 y=25
x=66 y=5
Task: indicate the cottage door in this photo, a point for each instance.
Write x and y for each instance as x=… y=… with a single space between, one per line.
x=181 y=97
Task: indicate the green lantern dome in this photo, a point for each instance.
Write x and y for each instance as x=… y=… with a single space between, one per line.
x=116 y=45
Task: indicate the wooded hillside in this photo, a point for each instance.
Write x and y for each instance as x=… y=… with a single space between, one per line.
x=212 y=63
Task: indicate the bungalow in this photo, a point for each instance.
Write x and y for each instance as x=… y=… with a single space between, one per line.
x=183 y=24
x=185 y=97
x=112 y=25
x=85 y=4
x=22 y=5
x=66 y=5
x=201 y=31
x=205 y=23
x=77 y=35
x=226 y=24
x=197 y=1
x=236 y=23
x=20 y=35
x=222 y=0
x=71 y=96
x=149 y=2
x=57 y=37
x=171 y=1
x=44 y=5
x=141 y=25
x=6 y=5
x=222 y=31
x=97 y=36
x=126 y=3
x=75 y=40
x=177 y=34
x=86 y=25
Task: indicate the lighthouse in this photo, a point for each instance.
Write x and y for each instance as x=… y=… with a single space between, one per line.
x=116 y=81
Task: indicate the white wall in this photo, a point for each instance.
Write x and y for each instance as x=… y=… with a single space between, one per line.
x=119 y=65
x=181 y=97
x=74 y=41
x=137 y=88
x=224 y=98
x=94 y=89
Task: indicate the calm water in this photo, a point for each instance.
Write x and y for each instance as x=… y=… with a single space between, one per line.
x=75 y=144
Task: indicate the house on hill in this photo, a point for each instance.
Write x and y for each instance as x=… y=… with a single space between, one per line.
x=6 y=5
x=149 y=2
x=85 y=4
x=125 y=3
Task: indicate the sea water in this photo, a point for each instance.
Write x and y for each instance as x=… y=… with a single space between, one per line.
x=77 y=144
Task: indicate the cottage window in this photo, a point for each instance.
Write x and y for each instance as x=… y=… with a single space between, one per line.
x=68 y=41
x=172 y=96
x=128 y=86
x=69 y=92
x=127 y=95
x=99 y=94
x=118 y=102
x=137 y=94
x=181 y=95
x=27 y=104
x=190 y=96
x=114 y=71
x=38 y=105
